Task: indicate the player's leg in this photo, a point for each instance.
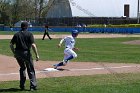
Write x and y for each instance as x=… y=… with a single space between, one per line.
x=61 y=63
x=47 y=33
x=68 y=55
x=19 y=58
x=44 y=35
x=31 y=72
x=22 y=73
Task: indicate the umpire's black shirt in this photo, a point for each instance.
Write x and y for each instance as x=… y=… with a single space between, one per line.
x=23 y=40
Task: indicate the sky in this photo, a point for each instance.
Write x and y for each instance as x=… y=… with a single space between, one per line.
x=102 y=8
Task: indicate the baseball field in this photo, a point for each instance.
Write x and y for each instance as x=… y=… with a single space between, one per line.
x=106 y=63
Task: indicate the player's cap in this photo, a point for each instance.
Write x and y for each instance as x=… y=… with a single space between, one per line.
x=46 y=25
x=24 y=24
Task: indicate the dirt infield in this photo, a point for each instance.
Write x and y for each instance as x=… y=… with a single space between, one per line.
x=79 y=36
x=9 y=67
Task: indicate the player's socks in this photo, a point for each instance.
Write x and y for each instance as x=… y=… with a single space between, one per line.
x=60 y=64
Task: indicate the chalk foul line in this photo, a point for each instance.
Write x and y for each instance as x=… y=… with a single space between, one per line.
x=54 y=70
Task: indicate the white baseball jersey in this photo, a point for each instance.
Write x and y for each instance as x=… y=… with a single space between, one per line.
x=69 y=42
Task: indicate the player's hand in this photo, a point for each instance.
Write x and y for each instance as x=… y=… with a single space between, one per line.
x=37 y=58
x=76 y=49
x=59 y=45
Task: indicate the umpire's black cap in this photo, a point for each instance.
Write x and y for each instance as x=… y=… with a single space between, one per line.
x=24 y=24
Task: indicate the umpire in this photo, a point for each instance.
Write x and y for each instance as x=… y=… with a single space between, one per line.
x=24 y=40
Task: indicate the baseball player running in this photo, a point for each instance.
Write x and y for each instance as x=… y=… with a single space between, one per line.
x=69 y=47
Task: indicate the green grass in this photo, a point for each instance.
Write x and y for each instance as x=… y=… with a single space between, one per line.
x=120 y=83
x=91 y=50
x=6 y=33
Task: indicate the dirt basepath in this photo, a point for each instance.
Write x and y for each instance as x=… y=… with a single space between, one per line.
x=9 y=67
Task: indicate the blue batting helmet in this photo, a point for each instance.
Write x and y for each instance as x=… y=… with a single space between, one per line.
x=74 y=32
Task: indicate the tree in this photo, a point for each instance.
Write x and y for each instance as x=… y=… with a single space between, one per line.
x=40 y=6
x=18 y=10
x=4 y=11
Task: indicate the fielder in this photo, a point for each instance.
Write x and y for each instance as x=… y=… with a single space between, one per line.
x=69 y=47
x=46 y=32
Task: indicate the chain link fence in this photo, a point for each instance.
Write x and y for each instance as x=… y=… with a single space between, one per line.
x=86 y=20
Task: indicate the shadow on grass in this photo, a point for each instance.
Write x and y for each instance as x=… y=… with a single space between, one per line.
x=11 y=90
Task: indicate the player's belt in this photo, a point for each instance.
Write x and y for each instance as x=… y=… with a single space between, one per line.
x=67 y=47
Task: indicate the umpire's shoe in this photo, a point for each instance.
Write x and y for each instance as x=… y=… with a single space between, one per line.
x=33 y=89
x=22 y=88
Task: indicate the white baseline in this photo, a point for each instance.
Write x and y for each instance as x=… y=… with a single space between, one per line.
x=96 y=68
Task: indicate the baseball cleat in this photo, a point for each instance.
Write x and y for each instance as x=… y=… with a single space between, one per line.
x=22 y=87
x=55 y=66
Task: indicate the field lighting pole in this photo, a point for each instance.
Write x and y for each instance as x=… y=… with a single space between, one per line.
x=138 y=14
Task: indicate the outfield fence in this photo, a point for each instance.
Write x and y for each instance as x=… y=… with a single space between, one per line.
x=81 y=29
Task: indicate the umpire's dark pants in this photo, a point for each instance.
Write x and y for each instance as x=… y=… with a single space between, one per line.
x=24 y=59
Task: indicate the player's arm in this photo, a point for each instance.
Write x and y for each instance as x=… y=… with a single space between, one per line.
x=12 y=48
x=50 y=29
x=34 y=47
x=35 y=51
x=12 y=42
x=60 y=43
